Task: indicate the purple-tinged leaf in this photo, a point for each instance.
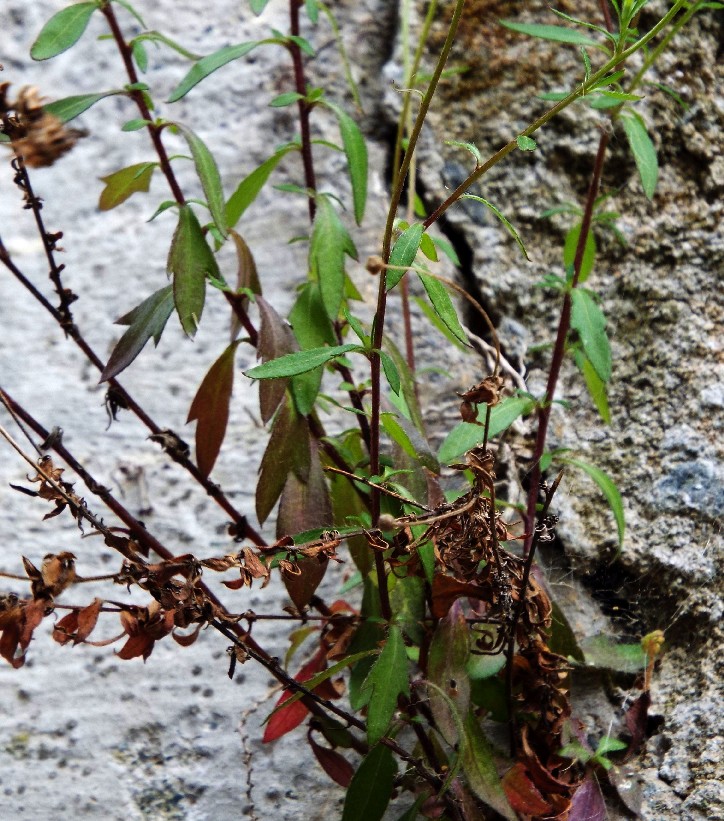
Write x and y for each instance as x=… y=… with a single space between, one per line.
x=588 y=803
x=275 y=340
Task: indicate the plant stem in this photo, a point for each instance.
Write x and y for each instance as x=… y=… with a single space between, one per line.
x=300 y=84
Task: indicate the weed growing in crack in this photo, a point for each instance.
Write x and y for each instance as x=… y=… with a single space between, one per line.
x=456 y=625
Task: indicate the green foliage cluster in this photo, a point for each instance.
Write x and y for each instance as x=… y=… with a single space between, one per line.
x=431 y=665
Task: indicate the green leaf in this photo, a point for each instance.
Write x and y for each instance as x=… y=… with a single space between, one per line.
x=526 y=143
x=480 y=769
x=135 y=125
x=447 y=667
x=63 y=30
x=355 y=149
x=404 y=252
x=589 y=252
x=605 y=652
x=258 y=6
x=608 y=488
x=124 y=183
x=288 y=98
x=596 y=386
x=610 y=745
x=208 y=65
x=447 y=249
x=312 y=329
x=436 y=322
x=330 y=242
x=385 y=682
x=300 y=362
x=427 y=246
x=146 y=320
x=466 y=435
x=190 y=260
x=68 y=108
x=443 y=306
x=407 y=602
x=513 y=233
x=140 y=55
x=559 y=34
x=471 y=147
x=371 y=787
x=643 y=150
x=250 y=187
x=588 y=319
x=391 y=372
x=208 y=173
x=210 y=407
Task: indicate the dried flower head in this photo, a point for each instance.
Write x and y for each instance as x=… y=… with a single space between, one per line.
x=38 y=137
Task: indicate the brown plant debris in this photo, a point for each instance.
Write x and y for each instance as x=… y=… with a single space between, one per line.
x=36 y=136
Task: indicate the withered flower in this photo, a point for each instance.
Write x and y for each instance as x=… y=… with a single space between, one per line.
x=38 y=137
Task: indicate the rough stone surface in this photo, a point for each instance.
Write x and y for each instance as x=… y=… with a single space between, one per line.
x=85 y=735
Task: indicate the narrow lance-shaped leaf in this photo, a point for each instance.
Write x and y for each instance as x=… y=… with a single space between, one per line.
x=447 y=662
x=596 y=386
x=590 y=323
x=291 y=716
x=371 y=787
x=68 y=108
x=124 y=183
x=300 y=362
x=247 y=277
x=209 y=176
x=559 y=34
x=608 y=488
x=385 y=682
x=146 y=320
x=643 y=150
x=211 y=408
x=275 y=339
x=330 y=242
x=355 y=149
x=499 y=214
x=190 y=260
x=63 y=30
x=589 y=252
x=404 y=253
x=480 y=770
x=250 y=186
x=207 y=65
x=443 y=306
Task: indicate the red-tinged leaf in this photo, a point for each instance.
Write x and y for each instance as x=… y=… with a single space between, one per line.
x=65 y=629
x=246 y=278
x=286 y=452
x=190 y=260
x=286 y=719
x=234 y=584
x=124 y=183
x=9 y=644
x=87 y=620
x=333 y=763
x=211 y=408
x=138 y=645
x=588 y=803
x=445 y=590
x=636 y=719
x=146 y=320
x=189 y=639
x=275 y=339
x=446 y=667
x=523 y=795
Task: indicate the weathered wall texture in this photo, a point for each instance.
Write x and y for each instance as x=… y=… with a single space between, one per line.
x=83 y=735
